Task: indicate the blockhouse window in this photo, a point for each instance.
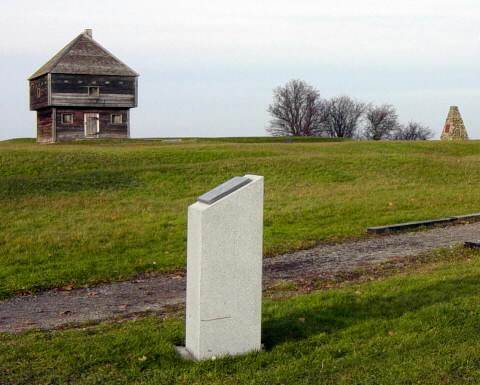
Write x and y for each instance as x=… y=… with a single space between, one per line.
x=117 y=119
x=93 y=91
x=39 y=92
x=67 y=118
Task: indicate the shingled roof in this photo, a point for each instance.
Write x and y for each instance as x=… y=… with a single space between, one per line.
x=83 y=55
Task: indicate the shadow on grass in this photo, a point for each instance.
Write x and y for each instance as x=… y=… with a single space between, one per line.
x=16 y=186
x=349 y=309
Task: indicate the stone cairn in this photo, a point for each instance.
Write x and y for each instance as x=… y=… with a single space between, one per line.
x=454 y=128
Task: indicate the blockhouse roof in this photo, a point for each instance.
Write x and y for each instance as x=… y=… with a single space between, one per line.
x=83 y=55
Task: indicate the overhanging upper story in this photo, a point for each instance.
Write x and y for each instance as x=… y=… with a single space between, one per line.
x=84 y=74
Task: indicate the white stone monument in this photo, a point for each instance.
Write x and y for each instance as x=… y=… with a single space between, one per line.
x=224 y=270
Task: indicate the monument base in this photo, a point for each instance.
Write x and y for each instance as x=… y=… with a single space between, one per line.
x=183 y=352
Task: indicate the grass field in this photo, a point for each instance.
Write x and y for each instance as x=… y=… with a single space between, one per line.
x=90 y=212
x=417 y=327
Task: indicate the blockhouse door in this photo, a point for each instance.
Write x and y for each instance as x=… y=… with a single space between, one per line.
x=92 y=124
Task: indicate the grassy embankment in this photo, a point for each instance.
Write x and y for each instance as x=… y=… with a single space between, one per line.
x=417 y=327
x=90 y=212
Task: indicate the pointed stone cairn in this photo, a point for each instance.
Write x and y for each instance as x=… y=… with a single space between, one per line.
x=454 y=128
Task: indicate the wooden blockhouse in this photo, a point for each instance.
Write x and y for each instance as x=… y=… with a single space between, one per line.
x=83 y=92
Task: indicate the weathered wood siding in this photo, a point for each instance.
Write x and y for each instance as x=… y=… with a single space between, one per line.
x=110 y=130
x=115 y=91
x=44 y=126
x=76 y=130
x=39 y=93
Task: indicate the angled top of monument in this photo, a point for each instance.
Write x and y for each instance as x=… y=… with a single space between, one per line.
x=84 y=55
x=223 y=190
x=454 y=128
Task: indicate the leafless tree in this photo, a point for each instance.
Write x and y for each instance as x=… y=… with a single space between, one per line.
x=413 y=131
x=342 y=116
x=296 y=110
x=380 y=122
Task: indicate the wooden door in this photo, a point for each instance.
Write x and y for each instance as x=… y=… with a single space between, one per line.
x=92 y=123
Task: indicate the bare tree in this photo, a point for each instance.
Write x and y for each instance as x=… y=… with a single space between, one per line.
x=296 y=110
x=380 y=122
x=342 y=116
x=413 y=131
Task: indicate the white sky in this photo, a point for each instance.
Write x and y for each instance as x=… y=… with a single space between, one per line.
x=208 y=67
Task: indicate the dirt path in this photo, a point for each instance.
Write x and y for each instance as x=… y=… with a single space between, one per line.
x=56 y=308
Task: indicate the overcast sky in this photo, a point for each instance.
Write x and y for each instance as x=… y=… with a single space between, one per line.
x=208 y=67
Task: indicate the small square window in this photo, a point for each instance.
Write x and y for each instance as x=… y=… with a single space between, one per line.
x=117 y=119
x=67 y=118
x=93 y=91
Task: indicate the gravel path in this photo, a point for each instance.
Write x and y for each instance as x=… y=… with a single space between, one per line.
x=55 y=308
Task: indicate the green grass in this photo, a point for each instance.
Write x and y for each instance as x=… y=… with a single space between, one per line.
x=98 y=211
x=412 y=328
